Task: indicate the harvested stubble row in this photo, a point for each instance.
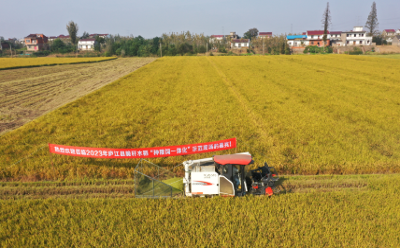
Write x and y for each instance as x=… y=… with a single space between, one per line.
x=12 y=63
x=303 y=114
x=336 y=219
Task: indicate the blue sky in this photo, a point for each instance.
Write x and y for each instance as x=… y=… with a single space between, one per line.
x=153 y=17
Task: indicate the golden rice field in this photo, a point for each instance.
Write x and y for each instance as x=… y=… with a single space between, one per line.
x=302 y=114
x=335 y=219
x=12 y=63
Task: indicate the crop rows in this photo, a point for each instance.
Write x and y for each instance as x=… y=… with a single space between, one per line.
x=362 y=218
x=27 y=93
x=13 y=63
x=125 y=188
x=301 y=114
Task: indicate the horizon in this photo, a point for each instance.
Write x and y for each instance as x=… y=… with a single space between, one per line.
x=152 y=19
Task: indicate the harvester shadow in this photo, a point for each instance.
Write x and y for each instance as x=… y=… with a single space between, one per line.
x=280 y=188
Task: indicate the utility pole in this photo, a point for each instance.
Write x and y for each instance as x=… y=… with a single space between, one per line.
x=206 y=48
x=10 y=51
x=161 y=49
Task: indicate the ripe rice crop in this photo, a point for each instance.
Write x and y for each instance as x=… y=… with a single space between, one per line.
x=320 y=114
x=336 y=219
x=12 y=63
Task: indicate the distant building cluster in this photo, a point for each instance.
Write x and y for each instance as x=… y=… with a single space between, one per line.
x=234 y=41
x=39 y=42
x=355 y=37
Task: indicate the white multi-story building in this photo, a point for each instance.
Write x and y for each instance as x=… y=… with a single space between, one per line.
x=356 y=37
x=86 y=44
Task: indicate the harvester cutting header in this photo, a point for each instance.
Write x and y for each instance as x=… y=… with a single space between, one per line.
x=227 y=175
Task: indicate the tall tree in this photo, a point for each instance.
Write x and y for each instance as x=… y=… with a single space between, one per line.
x=326 y=21
x=253 y=32
x=372 y=21
x=85 y=35
x=72 y=29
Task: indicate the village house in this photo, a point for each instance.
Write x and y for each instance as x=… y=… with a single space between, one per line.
x=388 y=34
x=63 y=37
x=263 y=35
x=99 y=35
x=52 y=38
x=297 y=40
x=86 y=44
x=355 y=37
x=315 y=38
x=215 y=38
x=336 y=38
x=4 y=46
x=240 y=43
x=36 y=42
x=233 y=35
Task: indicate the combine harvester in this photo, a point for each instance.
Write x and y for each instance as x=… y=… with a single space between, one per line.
x=223 y=175
x=226 y=175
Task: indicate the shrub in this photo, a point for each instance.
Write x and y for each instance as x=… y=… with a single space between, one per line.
x=222 y=49
x=356 y=51
x=41 y=53
x=316 y=49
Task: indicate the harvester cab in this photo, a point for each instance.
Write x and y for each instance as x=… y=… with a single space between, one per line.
x=227 y=175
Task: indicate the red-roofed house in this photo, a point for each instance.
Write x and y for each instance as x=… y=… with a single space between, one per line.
x=52 y=38
x=265 y=34
x=36 y=42
x=63 y=37
x=214 y=38
x=388 y=34
x=100 y=35
x=240 y=43
x=315 y=38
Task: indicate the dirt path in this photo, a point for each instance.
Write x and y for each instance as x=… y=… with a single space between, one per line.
x=28 y=93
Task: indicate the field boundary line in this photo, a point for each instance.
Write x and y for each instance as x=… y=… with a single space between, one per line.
x=22 y=159
x=53 y=64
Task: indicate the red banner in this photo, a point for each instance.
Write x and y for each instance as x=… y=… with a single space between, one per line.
x=154 y=152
